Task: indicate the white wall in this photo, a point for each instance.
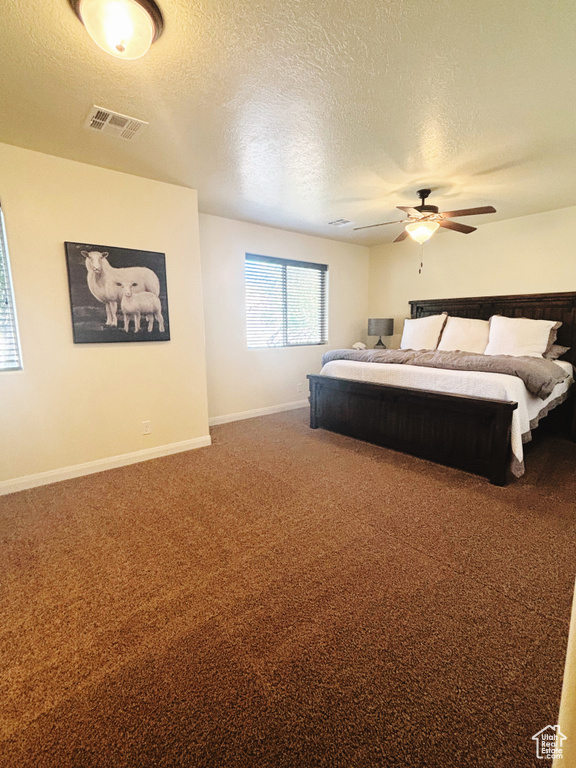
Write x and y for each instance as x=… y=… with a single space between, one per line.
x=242 y=379
x=530 y=254
x=77 y=403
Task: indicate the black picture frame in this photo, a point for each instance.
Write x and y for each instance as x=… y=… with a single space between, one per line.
x=113 y=291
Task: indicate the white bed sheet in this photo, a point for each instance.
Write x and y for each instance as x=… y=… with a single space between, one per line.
x=499 y=386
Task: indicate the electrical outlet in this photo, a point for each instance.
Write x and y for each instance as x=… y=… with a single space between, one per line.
x=299 y=388
x=146 y=427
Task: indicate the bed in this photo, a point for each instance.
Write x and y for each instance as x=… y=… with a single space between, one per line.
x=465 y=431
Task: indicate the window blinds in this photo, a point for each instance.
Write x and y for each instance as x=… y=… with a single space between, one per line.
x=9 y=347
x=285 y=302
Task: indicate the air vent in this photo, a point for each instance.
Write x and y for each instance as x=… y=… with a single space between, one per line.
x=114 y=124
x=339 y=222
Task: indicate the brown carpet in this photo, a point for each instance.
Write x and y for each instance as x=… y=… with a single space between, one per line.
x=286 y=598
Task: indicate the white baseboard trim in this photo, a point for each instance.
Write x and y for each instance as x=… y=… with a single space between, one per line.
x=215 y=420
x=100 y=465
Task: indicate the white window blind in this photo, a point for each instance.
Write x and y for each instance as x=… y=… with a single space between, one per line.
x=285 y=302
x=9 y=346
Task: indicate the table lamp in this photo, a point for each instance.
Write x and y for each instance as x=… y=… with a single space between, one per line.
x=380 y=326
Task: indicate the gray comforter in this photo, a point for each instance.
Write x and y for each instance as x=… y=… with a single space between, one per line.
x=539 y=375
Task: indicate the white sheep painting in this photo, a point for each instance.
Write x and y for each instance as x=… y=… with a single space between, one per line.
x=134 y=304
x=113 y=289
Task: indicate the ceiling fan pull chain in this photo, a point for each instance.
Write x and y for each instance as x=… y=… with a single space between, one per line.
x=421 y=258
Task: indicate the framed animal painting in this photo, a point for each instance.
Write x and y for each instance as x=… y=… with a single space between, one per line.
x=117 y=294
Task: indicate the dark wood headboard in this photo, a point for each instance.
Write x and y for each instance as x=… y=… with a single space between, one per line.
x=538 y=306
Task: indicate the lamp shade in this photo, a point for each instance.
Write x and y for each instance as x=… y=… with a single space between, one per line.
x=421 y=230
x=381 y=326
x=123 y=28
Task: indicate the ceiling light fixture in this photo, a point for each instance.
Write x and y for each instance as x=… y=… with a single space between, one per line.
x=123 y=28
x=421 y=230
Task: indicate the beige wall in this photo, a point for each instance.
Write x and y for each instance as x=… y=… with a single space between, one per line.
x=76 y=403
x=242 y=379
x=531 y=254
x=567 y=715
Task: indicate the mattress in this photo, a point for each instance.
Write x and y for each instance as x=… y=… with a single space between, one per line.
x=472 y=383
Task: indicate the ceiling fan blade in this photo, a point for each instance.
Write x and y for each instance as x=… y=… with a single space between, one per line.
x=410 y=211
x=383 y=224
x=401 y=236
x=468 y=212
x=464 y=228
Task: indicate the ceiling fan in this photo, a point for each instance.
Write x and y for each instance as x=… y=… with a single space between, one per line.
x=423 y=220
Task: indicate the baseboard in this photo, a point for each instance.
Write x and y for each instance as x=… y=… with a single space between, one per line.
x=100 y=465
x=215 y=420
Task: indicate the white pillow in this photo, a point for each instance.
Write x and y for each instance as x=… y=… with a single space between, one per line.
x=465 y=334
x=519 y=336
x=423 y=332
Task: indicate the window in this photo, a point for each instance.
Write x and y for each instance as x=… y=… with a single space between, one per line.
x=9 y=347
x=285 y=302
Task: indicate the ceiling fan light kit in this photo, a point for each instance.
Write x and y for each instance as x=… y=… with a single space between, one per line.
x=423 y=220
x=421 y=230
x=123 y=28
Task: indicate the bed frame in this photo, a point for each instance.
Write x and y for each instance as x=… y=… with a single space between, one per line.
x=463 y=432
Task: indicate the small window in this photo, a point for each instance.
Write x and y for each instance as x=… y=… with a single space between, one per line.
x=285 y=302
x=9 y=346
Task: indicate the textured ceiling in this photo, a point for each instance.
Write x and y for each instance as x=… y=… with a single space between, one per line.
x=295 y=114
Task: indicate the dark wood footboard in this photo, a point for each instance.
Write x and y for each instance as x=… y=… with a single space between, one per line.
x=456 y=430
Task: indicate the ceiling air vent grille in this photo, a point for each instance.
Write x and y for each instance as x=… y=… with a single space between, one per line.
x=113 y=123
x=339 y=222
